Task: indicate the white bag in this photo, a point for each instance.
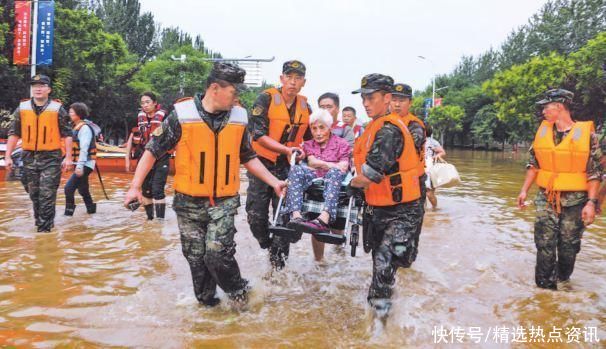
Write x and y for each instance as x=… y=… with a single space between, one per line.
x=444 y=175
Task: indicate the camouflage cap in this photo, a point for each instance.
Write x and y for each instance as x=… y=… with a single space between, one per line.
x=400 y=89
x=294 y=66
x=40 y=79
x=228 y=72
x=375 y=82
x=556 y=95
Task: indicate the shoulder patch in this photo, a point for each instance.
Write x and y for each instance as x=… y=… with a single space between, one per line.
x=158 y=131
x=257 y=110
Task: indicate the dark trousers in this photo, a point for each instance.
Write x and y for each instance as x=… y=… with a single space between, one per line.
x=81 y=183
x=154 y=183
x=41 y=182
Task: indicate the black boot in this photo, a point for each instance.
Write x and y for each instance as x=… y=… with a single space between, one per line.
x=160 y=209
x=69 y=210
x=92 y=208
x=149 y=209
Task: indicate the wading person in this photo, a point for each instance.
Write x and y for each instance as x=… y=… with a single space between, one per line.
x=433 y=152
x=84 y=155
x=348 y=114
x=387 y=168
x=211 y=142
x=328 y=156
x=565 y=164
x=149 y=118
x=330 y=101
x=401 y=101
x=41 y=123
x=278 y=125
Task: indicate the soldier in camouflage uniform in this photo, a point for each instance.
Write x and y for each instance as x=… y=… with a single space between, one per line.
x=41 y=122
x=561 y=216
x=259 y=196
x=392 y=228
x=206 y=221
x=602 y=193
x=400 y=104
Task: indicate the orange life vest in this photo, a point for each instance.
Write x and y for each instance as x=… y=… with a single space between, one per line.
x=92 y=148
x=407 y=120
x=563 y=167
x=208 y=163
x=40 y=132
x=401 y=186
x=280 y=123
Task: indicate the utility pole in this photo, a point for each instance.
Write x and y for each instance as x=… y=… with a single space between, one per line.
x=433 y=80
x=34 y=43
x=181 y=76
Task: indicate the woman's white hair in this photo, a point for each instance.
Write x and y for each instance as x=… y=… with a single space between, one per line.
x=321 y=115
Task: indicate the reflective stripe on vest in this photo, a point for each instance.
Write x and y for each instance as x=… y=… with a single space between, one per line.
x=280 y=125
x=40 y=132
x=92 y=148
x=563 y=167
x=208 y=163
x=399 y=187
x=407 y=120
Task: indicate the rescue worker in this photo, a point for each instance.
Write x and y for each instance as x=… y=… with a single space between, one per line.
x=149 y=118
x=602 y=192
x=387 y=168
x=211 y=142
x=330 y=101
x=348 y=114
x=565 y=164
x=84 y=154
x=41 y=123
x=401 y=101
x=279 y=124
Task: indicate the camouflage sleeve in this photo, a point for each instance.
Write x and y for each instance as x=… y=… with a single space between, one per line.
x=594 y=167
x=532 y=160
x=307 y=135
x=247 y=153
x=418 y=135
x=15 y=126
x=65 y=124
x=384 y=153
x=258 y=123
x=165 y=137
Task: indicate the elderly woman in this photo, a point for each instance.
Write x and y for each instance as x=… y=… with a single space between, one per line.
x=327 y=157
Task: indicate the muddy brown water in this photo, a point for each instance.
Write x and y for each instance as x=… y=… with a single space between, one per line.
x=115 y=280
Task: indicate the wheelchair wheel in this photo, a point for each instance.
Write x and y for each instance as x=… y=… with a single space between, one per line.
x=353 y=239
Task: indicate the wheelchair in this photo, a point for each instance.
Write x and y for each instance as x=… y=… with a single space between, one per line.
x=348 y=220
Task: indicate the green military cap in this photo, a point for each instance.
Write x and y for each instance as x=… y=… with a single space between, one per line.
x=294 y=66
x=375 y=82
x=402 y=90
x=556 y=95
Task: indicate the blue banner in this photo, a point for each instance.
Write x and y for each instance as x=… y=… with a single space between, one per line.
x=44 y=45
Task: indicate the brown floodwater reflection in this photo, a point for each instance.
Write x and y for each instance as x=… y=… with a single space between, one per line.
x=115 y=279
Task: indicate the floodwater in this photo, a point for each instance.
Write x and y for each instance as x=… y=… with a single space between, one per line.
x=115 y=280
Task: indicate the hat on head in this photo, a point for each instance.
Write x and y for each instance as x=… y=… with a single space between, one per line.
x=375 y=82
x=228 y=72
x=294 y=66
x=402 y=90
x=556 y=95
x=40 y=79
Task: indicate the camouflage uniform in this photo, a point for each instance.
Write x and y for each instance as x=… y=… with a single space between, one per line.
x=418 y=135
x=259 y=195
x=393 y=228
x=207 y=231
x=558 y=236
x=42 y=170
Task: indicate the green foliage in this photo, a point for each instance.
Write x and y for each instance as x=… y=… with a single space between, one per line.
x=445 y=118
x=516 y=90
x=164 y=75
x=589 y=65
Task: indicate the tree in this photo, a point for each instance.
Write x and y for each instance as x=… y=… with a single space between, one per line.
x=446 y=118
x=165 y=76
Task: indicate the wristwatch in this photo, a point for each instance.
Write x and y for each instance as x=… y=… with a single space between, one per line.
x=595 y=202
